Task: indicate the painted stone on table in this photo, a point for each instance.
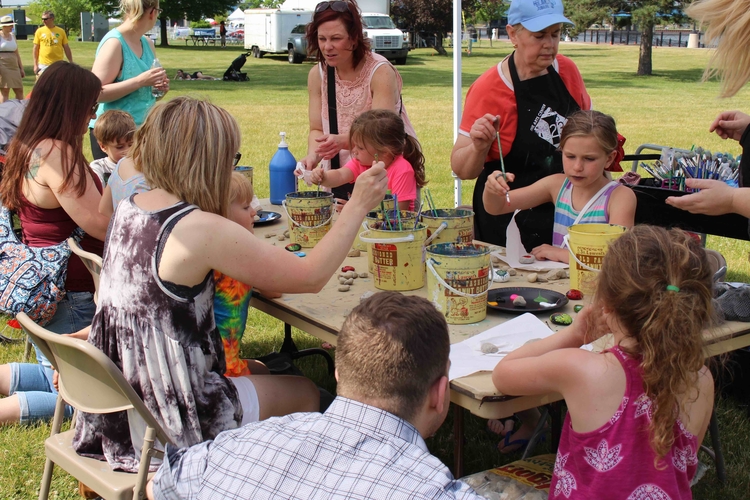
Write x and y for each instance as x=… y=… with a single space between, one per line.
x=346 y=269
x=578 y=308
x=526 y=259
x=574 y=294
x=293 y=247
x=563 y=319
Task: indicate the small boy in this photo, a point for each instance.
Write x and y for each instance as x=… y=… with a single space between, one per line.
x=114 y=131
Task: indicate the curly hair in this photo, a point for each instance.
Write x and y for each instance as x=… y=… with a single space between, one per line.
x=727 y=24
x=666 y=324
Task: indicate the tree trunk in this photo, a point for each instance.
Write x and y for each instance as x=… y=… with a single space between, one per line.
x=644 y=58
x=439 y=45
x=164 y=37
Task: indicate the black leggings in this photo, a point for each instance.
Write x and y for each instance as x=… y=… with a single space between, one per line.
x=95 y=149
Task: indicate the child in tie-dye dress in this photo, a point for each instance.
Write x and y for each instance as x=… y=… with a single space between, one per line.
x=232 y=298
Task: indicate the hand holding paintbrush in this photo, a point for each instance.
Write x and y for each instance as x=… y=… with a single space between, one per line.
x=496 y=124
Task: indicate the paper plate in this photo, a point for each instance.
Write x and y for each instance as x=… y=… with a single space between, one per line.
x=504 y=303
x=266 y=217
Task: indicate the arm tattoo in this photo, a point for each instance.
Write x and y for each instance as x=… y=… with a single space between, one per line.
x=34 y=164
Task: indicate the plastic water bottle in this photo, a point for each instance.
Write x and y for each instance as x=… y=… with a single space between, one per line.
x=281 y=169
x=154 y=91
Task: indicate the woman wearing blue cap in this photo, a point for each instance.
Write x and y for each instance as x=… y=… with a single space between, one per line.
x=526 y=98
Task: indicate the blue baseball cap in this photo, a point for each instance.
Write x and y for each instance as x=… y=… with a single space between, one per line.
x=536 y=15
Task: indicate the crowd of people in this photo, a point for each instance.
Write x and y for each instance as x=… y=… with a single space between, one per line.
x=174 y=225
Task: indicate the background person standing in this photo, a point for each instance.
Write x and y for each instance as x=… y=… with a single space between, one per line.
x=49 y=43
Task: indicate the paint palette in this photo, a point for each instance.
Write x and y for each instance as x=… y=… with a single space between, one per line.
x=500 y=300
x=264 y=217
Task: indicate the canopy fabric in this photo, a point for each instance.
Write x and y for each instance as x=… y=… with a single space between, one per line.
x=237 y=15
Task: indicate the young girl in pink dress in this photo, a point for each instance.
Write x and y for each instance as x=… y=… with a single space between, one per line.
x=637 y=412
x=379 y=135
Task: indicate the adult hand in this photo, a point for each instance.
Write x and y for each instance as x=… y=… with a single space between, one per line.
x=496 y=185
x=152 y=77
x=36 y=69
x=370 y=187
x=730 y=124
x=310 y=161
x=163 y=85
x=484 y=132
x=330 y=145
x=56 y=380
x=23 y=73
x=715 y=197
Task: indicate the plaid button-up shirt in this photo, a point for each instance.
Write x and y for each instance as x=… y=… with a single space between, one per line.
x=353 y=450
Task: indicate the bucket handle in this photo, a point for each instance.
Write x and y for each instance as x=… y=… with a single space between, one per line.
x=283 y=204
x=404 y=239
x=443 y=225
x=457 y=292
x=566 y=244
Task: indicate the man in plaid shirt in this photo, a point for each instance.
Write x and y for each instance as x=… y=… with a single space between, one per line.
x=391 y=366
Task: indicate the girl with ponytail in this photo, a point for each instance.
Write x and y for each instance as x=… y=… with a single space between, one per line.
x=637 y=412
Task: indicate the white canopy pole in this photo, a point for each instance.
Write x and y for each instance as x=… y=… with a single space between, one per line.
x=457 y=94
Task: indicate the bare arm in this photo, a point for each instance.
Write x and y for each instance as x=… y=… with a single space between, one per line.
x=68 y=53
x=105 y=205
x=384 y=88
x=108 y=65
x=714 y=198
x=621 y=207
x=542 y=191
x=35 y=55
x=316 y=120
x=332 y=178
x=469 y=153
x=20 y=64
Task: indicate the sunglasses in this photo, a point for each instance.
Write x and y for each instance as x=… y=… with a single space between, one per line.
x=336 y=6
x=47 y=18
x=237 y=157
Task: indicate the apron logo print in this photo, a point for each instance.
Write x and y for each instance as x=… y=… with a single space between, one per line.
x=548 y=125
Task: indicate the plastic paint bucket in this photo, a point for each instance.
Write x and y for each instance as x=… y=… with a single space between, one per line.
x=587 y=244
x=396 y=258
x=246 y=171
x=375 y=215
x=458 y=278
x=453 y=225
x=309 y=215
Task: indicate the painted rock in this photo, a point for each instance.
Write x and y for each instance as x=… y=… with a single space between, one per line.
x=561 y=319
x=300 y=254
x=526 y=259
x=578 y=308
x=519 y=301
x=347 y=269
x=293 y=247
x=513 y=296
x=574 y=294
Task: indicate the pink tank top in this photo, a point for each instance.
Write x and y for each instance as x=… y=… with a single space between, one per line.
x=616 y=461
x=354 y=98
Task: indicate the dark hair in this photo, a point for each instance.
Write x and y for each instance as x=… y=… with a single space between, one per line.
x=667 y=325
x=352 y=20
x=383 y=130
x=392 y=348
x=59 y=108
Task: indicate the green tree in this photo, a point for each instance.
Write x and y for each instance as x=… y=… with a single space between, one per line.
x=646 y=14
x=67 y=12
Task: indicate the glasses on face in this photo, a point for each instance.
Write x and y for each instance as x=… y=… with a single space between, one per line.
x=336 y=6
x=158 y=10
x=237 y=157
x=47 y=18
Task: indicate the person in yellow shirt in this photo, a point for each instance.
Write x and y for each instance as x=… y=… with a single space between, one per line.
x=50 y=42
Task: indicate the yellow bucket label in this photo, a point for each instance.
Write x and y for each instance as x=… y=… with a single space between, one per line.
x=384 y=255
x=473 y=283
x=466 y=235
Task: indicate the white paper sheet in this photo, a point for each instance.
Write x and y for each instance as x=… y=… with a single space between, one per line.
x=514 y=249
x=467 y=358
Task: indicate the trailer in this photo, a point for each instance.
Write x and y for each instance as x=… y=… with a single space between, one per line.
x=267 y=31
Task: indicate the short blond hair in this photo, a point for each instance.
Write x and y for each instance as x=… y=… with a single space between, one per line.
x=134 y=9
x=186 y=147
x=114 y=126
x=240 y=189
x=727 y=23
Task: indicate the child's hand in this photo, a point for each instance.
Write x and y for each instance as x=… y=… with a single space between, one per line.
x=317 y=175
x=548 y=252
x=496 y=185
x=591 y=323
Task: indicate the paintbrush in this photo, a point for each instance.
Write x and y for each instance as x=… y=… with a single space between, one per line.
x=432 y=204
x=419 y=214
x=398 y=211
x=502 y=162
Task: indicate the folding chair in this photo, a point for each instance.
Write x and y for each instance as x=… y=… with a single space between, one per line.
x=90 y=382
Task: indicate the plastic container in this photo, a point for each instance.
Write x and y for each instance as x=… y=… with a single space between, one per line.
x=154 y=91
x=282 y=172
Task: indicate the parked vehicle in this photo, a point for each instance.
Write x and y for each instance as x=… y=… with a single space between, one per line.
x=297 y=44
x=386 y=39
x=267 y=31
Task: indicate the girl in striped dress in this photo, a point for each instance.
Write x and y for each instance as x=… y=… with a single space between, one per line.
x=584 y=194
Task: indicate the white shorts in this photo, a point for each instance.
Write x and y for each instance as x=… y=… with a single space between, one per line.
x=248 y=399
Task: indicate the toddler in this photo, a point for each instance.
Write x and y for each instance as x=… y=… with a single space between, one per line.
x=114 y=132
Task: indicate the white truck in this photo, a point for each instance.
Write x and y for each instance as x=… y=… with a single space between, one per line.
x=385 y=38
x=267 y=30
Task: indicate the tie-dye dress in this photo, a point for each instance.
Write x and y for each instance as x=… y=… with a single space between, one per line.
x=231 y=303
x=164 y=339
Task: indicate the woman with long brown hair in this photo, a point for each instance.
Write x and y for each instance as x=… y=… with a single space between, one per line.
x=48 y=184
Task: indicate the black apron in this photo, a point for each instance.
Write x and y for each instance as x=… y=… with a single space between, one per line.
x=542 y=104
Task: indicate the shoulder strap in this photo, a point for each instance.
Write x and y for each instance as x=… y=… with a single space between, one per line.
x=332 y=116
x=591 y=201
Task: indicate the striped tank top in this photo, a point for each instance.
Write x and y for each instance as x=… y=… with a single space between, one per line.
x=566 y=215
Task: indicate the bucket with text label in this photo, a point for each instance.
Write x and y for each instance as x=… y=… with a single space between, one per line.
x=588 y=244
x=395 y=256
x=309 y=214
x=454 y=225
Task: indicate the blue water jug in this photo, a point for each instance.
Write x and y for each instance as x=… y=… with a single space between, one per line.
x=282 y=176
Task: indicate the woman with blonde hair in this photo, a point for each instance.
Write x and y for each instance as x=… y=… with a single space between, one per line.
x=11 y=67
x=123 y=64
x=155 y=315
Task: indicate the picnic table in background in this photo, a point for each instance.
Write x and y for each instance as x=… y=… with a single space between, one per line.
x=202 y=35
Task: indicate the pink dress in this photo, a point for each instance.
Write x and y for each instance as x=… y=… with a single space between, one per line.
x=401 y=179
x=354 y=98
x=616 y=461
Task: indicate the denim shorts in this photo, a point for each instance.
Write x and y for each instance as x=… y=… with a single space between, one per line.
x=31 y=383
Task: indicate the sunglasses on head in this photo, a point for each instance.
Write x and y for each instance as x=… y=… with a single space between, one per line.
x=237 y=157
x=336 y=6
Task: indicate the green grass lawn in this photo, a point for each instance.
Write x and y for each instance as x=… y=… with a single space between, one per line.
x=671 y=108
